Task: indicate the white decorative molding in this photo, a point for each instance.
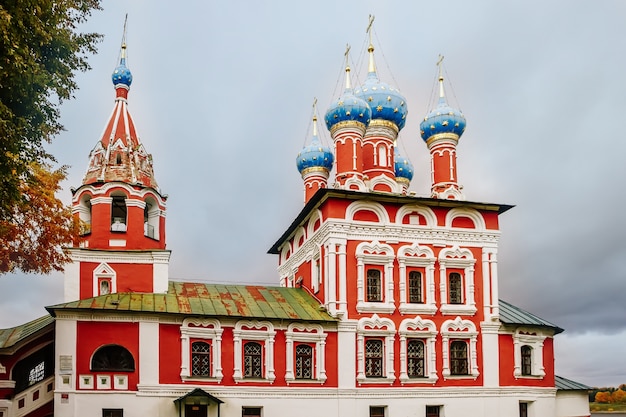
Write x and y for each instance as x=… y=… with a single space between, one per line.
x=306 y=333
x=369 y=254
x=120 y=257
x=254 y=330
x=104 y=272
x=201 y=329
x=102 y=191
x=426 y=212
x=535 y=340
x=385 y=180
x=423 y=259
x=300 y=234
x=376 y=327
x=313 y=218
x=459 y=258
x=363 y=205
x=120 y=382
x=473 y=214
x=103 y=382
x=425 y=330
x=465 y=330
x=85 y=382
x=3 y=369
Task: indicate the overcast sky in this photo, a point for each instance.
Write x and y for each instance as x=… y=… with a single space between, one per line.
x=222 y=95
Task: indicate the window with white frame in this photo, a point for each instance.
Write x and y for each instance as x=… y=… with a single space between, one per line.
x=305 y=350
x=254 y=351
x=375 y=278
x=459 y=339
x=104 y=280
x=528 y=356
x=416 y=266
x=201 y=342
x=375 y=340
x=417 y=351
x=456 y=281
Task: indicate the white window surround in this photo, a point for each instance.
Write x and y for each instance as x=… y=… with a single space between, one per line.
x=535 y=340
x=306 y=333
x=420 y=257
x=376 y=208
x=464 y=330
x=201 y=329
x=370 y=254
x=376 y=327
x=426 y=212
x=103 y=381
x=259 y=331
x=474 y=215
x=459 y=258
x=85 y=381
x=104 y=272
x=425 y=330
x=120 y=382
x=316 y=271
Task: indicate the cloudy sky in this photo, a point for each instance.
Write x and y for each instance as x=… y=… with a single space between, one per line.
x=222 y=96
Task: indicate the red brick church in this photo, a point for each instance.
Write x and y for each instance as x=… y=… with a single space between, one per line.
x=386 y=304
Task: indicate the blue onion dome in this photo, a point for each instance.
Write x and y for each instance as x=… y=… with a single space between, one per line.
x=385 y=101
x=315 y=155
x=403 y=167
x=121 y=74
x=443 y=119
x=348 y=108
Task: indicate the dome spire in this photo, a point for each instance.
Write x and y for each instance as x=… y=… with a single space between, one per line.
x=122 y=77
x=371 y=68
x=348 y=83
x=442 y=95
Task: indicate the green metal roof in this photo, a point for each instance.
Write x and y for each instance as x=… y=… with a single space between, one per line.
x=10 y=337
x=565 y=384
x=509 y=314
x=194 y=298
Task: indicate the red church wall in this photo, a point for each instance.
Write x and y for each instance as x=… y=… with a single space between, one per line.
x=91 y=335
x=129 y=278
x=169 y=364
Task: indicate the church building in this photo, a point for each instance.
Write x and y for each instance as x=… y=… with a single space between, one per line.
x=386 y=304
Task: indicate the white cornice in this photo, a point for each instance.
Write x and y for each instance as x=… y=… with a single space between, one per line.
x=141 y=257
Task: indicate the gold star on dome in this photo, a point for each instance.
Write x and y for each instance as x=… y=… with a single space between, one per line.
x=395 y=110
x=451 y=114
x=348 y=113
x=370 y=98
x=374 y=88
x=402 y=103
x=388 y=98
x=340 y=103
x=456 y=125
x=360 y=114
x=379 y=108
x=382 y=87
x=444 y=123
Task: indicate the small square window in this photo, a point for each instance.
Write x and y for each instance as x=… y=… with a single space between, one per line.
x=251 y=411
x=433 y=411
x=103 y=381
x=121 y=382
x=20 y=403
x=377 y=411
x=36 y=395
x=85 y=382
x=112 y=412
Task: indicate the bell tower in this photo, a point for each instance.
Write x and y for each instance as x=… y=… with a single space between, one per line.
x=121 y=210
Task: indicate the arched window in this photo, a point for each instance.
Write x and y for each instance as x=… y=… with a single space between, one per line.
x=527 y=360
x=252 y=360
x=455 y=288
x=374 y=285
x=374 y=358
x=118 y=213
x=105 y=287
x=200 y=359
x=304 y=362
x=415 y=287
x=415 y=359
x=113 y=358
x=458 y=358
x=84 y=214
x=382 y=156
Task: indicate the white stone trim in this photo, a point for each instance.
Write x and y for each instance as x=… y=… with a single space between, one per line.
x=376 y=208
x=425 y=330
x=427 y=212
x=459 y=329
x=385 y=180
x=534 y=339
x=375 y=253
x=262 y=331
x=474 y=215
x=376 y=327
x=104 y=272
x=421 y=257
x=461 y=258
x=202 y=329
x=306 y=333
